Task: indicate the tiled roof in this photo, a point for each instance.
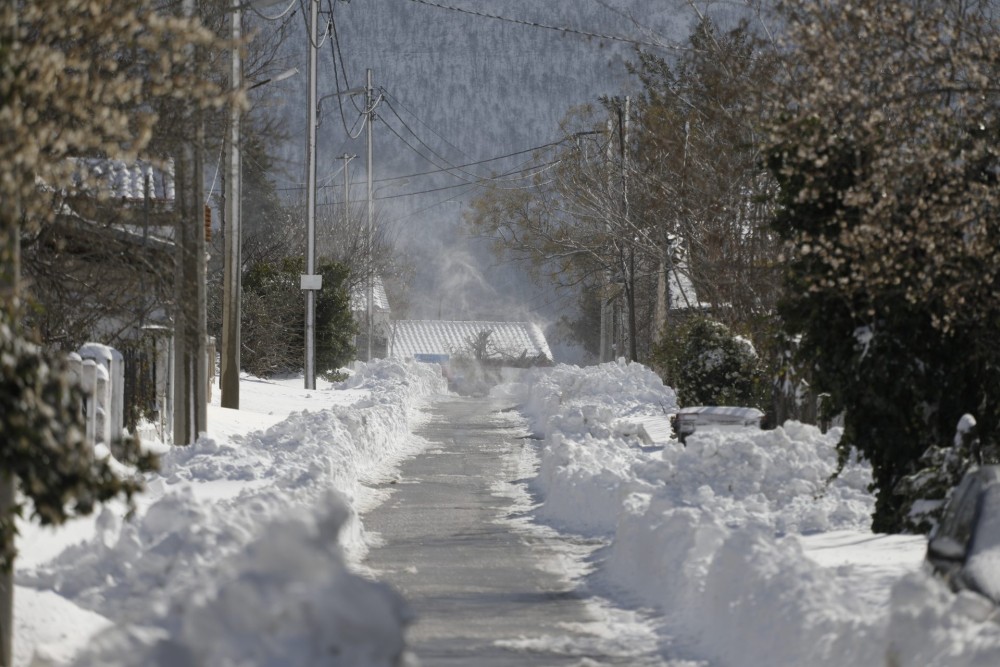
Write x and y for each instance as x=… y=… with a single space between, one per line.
x=123 y=180
x=436 y=337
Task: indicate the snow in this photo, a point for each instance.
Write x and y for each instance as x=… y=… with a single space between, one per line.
x=129 y=180
x=239 y=548
x=752 y=556
x=245 y=548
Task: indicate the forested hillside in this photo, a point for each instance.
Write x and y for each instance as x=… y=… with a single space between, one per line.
x=460 y=89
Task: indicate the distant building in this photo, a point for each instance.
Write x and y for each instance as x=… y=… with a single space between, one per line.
x=103 y=270
x=500 y=343
x=381 y=319
x=492 y=343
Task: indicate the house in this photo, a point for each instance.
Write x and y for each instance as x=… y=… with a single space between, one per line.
x=473 y=355
x=497 y=343
x=103 y=270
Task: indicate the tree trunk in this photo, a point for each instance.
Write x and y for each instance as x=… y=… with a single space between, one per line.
x=632 y=328
x=6 y=581
x=10 y=277
x=190 y=361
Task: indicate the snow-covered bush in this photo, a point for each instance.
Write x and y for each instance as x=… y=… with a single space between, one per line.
x=940 y=470
x=708 y=365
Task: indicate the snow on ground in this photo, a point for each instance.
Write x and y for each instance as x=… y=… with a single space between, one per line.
x=752 y=556
x=236 y=551
x=236 y=554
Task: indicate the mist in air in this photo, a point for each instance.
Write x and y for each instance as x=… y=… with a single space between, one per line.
x=458 y=91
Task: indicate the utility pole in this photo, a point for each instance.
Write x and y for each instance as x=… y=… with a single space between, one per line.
x=232 y=285
x=664 y=299
x=310 y=282
x=190 y=361
x=229 y=380
x=370 y=110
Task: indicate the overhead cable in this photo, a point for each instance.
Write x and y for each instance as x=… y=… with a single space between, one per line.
x=411 y=112
x=271 y=18
x=563 y=29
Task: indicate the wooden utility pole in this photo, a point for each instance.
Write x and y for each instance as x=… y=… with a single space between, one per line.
x=229 y=375
x=605 y=293
x=10 y=278
x=190 y=356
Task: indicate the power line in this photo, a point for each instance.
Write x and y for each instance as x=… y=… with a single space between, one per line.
x=450 y=166
x=473 y=164
x=446 y=171
x=479 y=183
x=272 y=18
x=563 y=29
x=337 y=56
x=411 y=112
x=447 y=168
x=469 y=185
x=468 y=188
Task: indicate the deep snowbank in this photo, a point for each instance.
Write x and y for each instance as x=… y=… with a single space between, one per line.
x=235 y=552
x=708 y=533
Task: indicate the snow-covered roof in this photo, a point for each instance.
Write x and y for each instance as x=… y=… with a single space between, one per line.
x=124 y=180
x=682 y=292
x=410 y=338
x=359 y=297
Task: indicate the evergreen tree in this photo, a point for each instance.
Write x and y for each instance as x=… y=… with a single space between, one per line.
x=883 y=140
x=335 y=325
x=273 y=324
x=708 y=365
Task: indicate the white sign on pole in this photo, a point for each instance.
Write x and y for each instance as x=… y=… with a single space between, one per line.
x=314 y=282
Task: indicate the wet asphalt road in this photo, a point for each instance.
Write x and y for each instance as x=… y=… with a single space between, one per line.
x=488 y=587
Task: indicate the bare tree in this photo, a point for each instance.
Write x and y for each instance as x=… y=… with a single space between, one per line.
x=671 y=191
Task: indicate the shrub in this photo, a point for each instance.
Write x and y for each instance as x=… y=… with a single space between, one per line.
x=707 y=364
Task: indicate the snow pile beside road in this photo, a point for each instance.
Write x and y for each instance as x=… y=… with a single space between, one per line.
x=777 y=479
x=931 y=626
x=234 y=551
x=614 y=389
x=588 y=455
x=707 y=532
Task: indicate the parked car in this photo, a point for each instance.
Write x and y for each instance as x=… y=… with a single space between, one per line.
x=696 y=418
x=965 y=546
